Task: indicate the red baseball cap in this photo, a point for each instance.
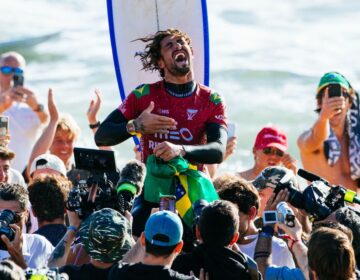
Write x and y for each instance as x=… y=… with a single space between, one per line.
x=271 y=136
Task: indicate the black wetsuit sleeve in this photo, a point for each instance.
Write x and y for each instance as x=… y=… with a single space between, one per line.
x=112 y=130
x=213 y=151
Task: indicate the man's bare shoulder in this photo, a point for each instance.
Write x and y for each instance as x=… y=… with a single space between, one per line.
x=304 y=143
x=247 y=174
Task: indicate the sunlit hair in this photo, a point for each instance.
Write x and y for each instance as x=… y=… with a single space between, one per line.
x=152 y=53
x=12 y=55
x=331 y=255
x=68 y=125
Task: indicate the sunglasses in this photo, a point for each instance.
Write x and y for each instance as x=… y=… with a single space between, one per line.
x=271 y=151
x=8 y=70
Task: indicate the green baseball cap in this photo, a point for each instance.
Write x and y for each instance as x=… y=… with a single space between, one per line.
x=333 y=78
x=106 y=235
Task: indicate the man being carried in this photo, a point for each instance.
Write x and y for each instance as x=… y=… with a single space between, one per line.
x=175 y=116
x=331 y=147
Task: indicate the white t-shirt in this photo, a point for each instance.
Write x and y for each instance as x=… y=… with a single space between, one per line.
x=36 y=250
x=280 y=255
x=15 y=177
x=24 y=129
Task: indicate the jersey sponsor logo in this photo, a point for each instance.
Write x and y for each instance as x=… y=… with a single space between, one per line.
x=181 y=134
x=191 y=114
x=163 y=111
x=220 y=117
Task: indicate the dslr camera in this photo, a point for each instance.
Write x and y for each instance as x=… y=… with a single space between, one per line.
x=7 y=217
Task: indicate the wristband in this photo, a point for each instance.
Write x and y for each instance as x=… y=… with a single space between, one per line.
x=95 y=125
x=268 y=230
x=292 y=244
x=72 y=228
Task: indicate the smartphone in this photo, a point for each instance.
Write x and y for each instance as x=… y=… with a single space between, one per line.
x=334 y=90
x=231 y=129
x=167 y=202
x=4 y=125
x=18 y=80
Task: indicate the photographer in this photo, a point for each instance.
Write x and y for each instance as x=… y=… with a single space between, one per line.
x=25 y=249
x=244 y=195
x=263 y=249
x=105 y=236
x=21 y=105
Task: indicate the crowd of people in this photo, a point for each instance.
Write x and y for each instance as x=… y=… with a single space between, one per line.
x=167 y=214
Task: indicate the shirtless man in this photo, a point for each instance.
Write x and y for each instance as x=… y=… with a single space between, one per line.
x=269 y=150
x=324 y=148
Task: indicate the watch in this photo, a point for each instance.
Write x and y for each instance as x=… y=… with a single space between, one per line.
x=131 y=128
x=40 y=108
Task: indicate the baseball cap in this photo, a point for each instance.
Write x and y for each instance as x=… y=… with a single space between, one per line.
x=333 y=78
x=106 y=235
x=271 y=176
x=164 y=228
x=271 y=136
x=48 y=161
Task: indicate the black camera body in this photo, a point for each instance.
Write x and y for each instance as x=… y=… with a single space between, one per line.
x=319 y=199
x=18 y=80
x=7 y=217
x=97 y=192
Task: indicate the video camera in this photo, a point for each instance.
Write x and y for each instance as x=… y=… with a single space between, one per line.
x=320 y=198
x=97 y=192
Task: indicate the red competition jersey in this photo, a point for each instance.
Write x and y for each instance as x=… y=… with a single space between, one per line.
x=192 y=113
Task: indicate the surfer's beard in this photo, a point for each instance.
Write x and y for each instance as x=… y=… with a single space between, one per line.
x=178 y=71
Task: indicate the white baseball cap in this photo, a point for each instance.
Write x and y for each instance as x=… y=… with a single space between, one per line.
x=48 y=161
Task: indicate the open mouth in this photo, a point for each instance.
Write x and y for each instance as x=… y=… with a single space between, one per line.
x=180 y=57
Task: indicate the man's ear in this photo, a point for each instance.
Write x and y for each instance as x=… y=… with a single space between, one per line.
x=252 y=213
x=142 y=239
x=234 y=239
x=179 y=247
x=160 y=63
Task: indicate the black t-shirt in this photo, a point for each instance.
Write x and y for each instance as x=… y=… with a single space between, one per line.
x=85 y=272
x=52 y=232
x=141 y=271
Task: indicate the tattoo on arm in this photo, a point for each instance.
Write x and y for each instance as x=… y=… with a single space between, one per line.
x=59 y=255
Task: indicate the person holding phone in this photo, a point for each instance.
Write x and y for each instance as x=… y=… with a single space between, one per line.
x=330 y=148
x=21 y=105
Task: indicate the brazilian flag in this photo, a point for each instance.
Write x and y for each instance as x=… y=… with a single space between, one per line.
x=177 y=177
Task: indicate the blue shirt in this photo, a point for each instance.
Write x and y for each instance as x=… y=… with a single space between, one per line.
x=283 y=273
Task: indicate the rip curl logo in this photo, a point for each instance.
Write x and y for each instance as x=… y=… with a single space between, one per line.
x=191 y=114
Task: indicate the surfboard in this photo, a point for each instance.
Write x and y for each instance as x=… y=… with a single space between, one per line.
x=133 y=19
x=26 y=42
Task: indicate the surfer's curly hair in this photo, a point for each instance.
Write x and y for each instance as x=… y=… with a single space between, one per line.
x=152 y=53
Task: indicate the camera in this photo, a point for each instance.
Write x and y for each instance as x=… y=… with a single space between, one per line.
x=7 y=217
x=97 y=191
x=44 y=273
x=320 y=198
x=18 y=80
x=283 y=214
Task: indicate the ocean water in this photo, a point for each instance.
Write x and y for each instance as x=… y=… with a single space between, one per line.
x=266 y=59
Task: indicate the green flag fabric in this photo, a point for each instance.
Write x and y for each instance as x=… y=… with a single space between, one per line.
x=177 y=177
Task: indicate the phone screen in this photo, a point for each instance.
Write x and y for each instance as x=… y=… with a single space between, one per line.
x=231 y=128
x=167 y=202
x=4 y=125
x=18 y=80
x=334 y=90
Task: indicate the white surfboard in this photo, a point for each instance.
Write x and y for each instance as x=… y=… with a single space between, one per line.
x=132 y=19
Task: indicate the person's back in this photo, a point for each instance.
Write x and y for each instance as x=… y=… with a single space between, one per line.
x=218 y=231
x=162 y=242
